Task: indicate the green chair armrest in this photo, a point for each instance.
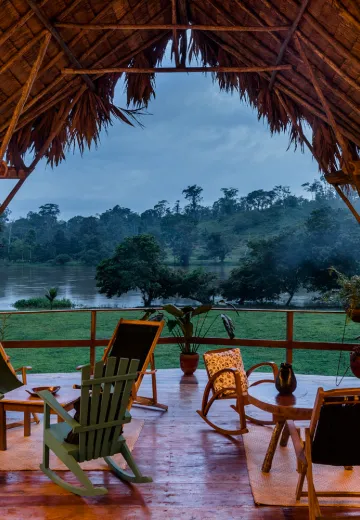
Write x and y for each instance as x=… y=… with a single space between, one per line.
x=50 y=400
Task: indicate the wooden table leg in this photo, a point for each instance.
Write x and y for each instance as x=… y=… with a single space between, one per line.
x=3 y=446
x=285 y=436
x=266 y=467
x=27 y=424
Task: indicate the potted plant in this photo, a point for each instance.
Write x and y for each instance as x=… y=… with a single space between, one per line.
x=355 y=361
x=189 y=322
x=349 y=293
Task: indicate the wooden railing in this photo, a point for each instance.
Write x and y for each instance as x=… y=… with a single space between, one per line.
x=92 y=342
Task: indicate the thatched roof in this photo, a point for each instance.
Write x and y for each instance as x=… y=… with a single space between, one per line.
x=316 y=44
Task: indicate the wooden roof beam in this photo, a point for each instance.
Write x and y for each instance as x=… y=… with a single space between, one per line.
x=169 y=27
x=24 y=95
x=286 y=42
x=42 y=17
x=156 y=70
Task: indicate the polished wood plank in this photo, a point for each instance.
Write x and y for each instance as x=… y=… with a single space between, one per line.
x=198 y=473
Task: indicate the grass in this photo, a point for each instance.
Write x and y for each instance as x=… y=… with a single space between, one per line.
x=76 y=325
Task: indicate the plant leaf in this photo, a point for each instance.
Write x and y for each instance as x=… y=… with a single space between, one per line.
x=173 y=310
x=229 y=325
x=202 y=309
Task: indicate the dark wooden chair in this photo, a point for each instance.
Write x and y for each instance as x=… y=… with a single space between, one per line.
x=103 y=412
x=9 y=380
x=331 y=439
x=137 y=339
x=229 y=380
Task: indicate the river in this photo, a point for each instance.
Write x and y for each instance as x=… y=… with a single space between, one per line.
x=77 y=283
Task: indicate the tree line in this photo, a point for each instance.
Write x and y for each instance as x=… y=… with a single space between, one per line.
x=187 y=231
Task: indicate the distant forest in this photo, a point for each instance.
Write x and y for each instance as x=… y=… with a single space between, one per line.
x=292 y=230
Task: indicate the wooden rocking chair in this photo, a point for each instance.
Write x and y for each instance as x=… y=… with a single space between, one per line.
x=228 y=380
x=9 y=381
x=138 y=339
x=103 y=412
x=331 y=439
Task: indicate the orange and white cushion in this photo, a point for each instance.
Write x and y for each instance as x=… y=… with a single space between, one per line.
x=231 y=358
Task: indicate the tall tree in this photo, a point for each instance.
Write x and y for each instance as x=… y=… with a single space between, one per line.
x=193 y=195
x=137 y=264
x=217 y=245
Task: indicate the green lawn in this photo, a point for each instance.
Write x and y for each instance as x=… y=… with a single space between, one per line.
x=307 y=327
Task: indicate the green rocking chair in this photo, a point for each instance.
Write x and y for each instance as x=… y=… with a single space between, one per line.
x=98 y=433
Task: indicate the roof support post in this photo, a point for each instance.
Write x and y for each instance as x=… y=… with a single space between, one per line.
x=24 y=95
x=287 y=40
x=42 y=17
x=58 y=126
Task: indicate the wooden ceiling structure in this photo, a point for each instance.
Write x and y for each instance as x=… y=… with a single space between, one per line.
x=296 y=61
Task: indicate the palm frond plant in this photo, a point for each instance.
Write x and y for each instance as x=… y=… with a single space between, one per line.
x=51 y=295
x=191 y=322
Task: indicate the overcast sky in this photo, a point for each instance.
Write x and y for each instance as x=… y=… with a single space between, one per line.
x=194 y=135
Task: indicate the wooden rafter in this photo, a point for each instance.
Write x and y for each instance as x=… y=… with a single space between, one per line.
x=73 y=42
x=174 y=32
x=22 y=21
x=341 y=49
x=286 y=42
x=22 y=51
x=335 y=178
x=169 y=27
x=24 y=95
x=57 y=128
x=156 y=70
x=288 y=87
x=325 y=104
x=71 y=87
x=42 y=17
x=347 y=202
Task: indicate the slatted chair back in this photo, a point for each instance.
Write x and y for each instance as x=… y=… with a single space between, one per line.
x=8 y=378
x=335 y=427
x=135 y=339
x=103 y=406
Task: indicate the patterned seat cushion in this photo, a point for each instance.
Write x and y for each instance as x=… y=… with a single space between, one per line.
x=230 y=358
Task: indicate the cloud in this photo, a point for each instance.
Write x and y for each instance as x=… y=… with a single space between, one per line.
x=195 y=134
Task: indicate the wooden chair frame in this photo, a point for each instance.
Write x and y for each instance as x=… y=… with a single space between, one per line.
x=237 y=394
x=23 y=371
x=150 y=360
x=99 y=429
x=303 y=450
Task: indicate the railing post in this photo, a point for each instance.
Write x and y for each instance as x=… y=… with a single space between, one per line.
x=289 y=335
x=92 y=339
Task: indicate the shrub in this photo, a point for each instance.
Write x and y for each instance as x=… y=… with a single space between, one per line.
x=43 y=303
x=62 y=259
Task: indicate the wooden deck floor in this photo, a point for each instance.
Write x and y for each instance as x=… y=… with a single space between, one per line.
x=198 y=474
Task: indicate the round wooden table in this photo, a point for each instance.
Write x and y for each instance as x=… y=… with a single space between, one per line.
x=296 y=407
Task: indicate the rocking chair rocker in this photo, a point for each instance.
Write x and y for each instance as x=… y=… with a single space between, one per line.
x=103 y=412
x=229 y=380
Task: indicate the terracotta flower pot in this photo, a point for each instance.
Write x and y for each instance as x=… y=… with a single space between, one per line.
x=354 y=315
x=189 y=363
x=355 y=364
